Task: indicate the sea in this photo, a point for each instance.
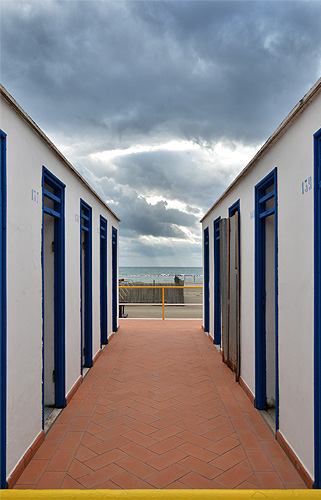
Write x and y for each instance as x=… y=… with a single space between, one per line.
x=161 y=274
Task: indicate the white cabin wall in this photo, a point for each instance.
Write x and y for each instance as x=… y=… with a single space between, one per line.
x=24 y=289
x=27 y=153
x=292 y=154
x=296 y=286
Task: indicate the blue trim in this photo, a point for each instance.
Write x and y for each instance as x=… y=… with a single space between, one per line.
x=260 y=320
x=206 y=280
x=271 y=211
x=51 y=196
x=276 y=298
x=217 y=283
x=103 y=281
x=58 y=197
x=234 y=208
x=86 y=226
x=317 y=309
x=3 y=310
x=114 y=279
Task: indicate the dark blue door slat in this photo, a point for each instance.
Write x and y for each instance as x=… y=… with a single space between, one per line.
x=49 y=211
x=267 y=213
x=51 y=196
x=267 y=196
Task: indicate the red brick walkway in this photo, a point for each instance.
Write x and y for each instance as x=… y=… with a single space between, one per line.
x=160 y=410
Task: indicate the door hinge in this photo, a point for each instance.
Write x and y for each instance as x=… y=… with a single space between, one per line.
x=53 y=376
x=83 y=351
x=53 y=246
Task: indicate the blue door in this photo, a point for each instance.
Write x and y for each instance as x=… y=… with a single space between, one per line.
x=86 y=284
x=3 y=313
x=266 y=296
x=103 y=281
x=217 y=283
x=53 y=280
x=114 y=279
x=206 y=281
x=317 y=308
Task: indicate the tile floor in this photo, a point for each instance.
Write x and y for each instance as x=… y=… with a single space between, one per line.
x=159 y=409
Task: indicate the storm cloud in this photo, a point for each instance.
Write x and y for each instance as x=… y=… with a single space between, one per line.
x=159 y=104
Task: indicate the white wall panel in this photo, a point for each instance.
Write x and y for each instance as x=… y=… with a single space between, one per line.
x=292 y=154
x=26 y=155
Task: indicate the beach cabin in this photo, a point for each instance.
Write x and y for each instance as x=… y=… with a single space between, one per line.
x=262 y=282
x=58 y=286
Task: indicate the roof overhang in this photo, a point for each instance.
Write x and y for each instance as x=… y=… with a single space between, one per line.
x=18 y=109
x=292 y=116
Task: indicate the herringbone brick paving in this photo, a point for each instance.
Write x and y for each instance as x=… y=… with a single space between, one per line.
x=159 y=409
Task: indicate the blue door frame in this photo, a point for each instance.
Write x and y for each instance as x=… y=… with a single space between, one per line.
x=3 y=311
x=56 y=200
x=261 y=213
x=233 y=209
x=217 y=283
x=206 y=280
x=103 y=281
x=114 y=279
x=317 y=309
x=86 y=294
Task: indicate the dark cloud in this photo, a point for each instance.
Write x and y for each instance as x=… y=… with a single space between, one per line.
x=105 y=75
x=129 y=70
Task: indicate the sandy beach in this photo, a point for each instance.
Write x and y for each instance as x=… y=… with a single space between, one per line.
x=192 y=307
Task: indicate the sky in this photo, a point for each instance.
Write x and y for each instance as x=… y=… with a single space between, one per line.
x=159 y=104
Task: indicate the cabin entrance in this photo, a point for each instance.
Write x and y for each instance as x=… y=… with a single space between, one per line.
x=229 y=275
x=103 y=281
x=217 y=284
x=266 y=294
x=114 y=278
x=86 y=284
x=206 y=281
x=53 y=275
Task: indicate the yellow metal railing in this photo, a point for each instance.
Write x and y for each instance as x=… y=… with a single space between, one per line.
x=163 y=292
x=160 y=494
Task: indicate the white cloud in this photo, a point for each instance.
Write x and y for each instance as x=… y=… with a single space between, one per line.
x=174 y=145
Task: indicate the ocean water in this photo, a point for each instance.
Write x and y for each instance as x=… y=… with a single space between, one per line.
x=161 y=274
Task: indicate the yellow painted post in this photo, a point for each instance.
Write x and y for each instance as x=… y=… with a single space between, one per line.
x=163 y=301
